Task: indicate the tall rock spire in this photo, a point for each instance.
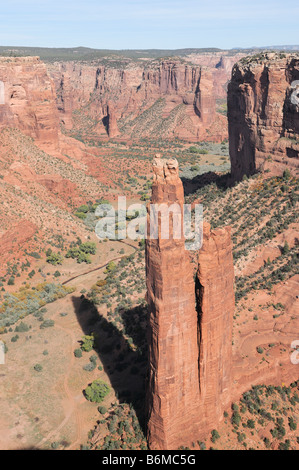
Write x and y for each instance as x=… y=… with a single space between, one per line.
x=190 y=349
x=173 y=389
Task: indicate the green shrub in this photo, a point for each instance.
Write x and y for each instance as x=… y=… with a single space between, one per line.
x=47 y=324
x=55 y=258
x=102 y=409
x=89 y=367
x=88 y=247
x=87 y=343
x=215 y=435
x=250 y=424
x=80 y=215
x=22 y=328
x=78 y=352
x=97 y=391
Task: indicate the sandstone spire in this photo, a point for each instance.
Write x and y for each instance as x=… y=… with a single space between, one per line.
x=190 y=350
x=173 y=390
x=216 y=303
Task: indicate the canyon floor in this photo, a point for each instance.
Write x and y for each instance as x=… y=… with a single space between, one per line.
x=51 y=207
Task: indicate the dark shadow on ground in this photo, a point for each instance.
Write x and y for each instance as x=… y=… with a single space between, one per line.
x=125 y=367
x=199 y=181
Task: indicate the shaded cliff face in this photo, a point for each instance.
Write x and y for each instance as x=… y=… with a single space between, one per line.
x=28 y=99
x=263 y=114
x=168 y=99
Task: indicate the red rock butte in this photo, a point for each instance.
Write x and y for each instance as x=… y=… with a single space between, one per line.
x=190 y=349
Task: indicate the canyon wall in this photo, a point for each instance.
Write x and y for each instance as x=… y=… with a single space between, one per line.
x=157 y=99
x=220 y=64
x=263 y=114
x=28 y=99
x=190 y=350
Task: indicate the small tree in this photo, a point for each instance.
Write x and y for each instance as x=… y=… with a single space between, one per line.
x=87 y=343
x=286 y=174
x=97 y=391
x=215 y=435
x=78 y=352
x=55 y=258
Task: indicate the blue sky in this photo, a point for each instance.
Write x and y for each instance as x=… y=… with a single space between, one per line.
x=148 y=24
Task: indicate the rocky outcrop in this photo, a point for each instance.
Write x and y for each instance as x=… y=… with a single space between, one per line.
x=162 y=98
x=190 y=351
x=263 y=114
x=173 y=389
x=28 y=99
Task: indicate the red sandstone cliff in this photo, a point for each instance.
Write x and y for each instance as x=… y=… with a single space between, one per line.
x=263 y=114
x=167 y=98
x=28 y=99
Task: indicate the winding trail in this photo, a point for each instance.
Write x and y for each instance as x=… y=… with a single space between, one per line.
x=102 y=266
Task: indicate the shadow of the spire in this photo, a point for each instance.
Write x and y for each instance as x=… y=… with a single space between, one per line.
x=200 y=181
x=123 y=353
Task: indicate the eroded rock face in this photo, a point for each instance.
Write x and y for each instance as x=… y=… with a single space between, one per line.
x=28 y=99
x=263 y=114
x=167 y=98
x=216 y=305
x=190 y=350
x=112 y=126
x=173 y=389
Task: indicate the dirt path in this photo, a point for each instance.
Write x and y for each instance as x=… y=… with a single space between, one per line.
x=102 y=266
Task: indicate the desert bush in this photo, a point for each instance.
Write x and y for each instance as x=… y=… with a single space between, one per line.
x=89 y=367
x=215 y=435
x=87 y=343
x=78 y=352
x=47 y=324
x=22 y=327
x=54 y=259
x=102 y=409
x=97 y=391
